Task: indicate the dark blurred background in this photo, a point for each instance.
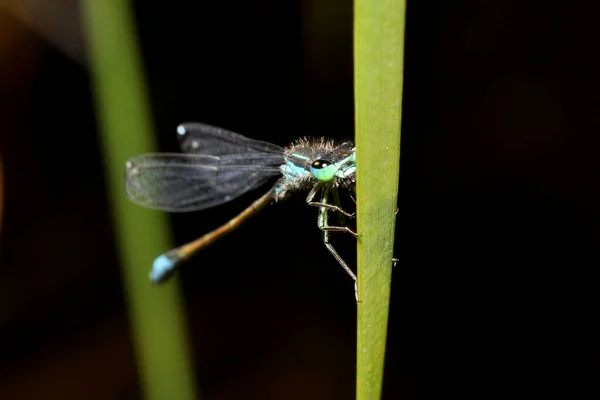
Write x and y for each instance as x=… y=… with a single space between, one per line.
x=497 y=231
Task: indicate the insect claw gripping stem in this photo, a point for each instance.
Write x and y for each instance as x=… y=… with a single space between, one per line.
x=341 y=262
x=339 y=229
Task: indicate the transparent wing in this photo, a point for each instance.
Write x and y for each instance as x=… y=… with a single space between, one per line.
x=198 y=138
x=191 y=182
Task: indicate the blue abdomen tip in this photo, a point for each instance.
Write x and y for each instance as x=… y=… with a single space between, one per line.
x=161 y=267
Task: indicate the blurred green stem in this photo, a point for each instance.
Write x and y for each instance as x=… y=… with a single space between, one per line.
x=378 y=67
x=158 y=325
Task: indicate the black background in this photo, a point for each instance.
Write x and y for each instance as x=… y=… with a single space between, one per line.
x=496 y=291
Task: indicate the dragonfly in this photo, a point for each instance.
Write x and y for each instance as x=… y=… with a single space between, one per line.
x=217 y=166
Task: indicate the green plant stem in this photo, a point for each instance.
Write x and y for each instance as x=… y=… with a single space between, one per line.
x=159 y=334
x=378 y=67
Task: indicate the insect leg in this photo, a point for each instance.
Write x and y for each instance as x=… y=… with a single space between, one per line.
x=325 y=228
x=335 y=200
x=322 y=204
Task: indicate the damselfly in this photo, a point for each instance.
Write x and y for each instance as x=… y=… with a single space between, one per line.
x=217 y=166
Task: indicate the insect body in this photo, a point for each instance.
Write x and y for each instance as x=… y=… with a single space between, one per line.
x=217 y=166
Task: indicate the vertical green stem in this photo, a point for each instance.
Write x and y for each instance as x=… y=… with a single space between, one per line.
x=156 y=314
x=378 y=67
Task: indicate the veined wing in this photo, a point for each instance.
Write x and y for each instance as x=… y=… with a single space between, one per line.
x=198 y=138
x=190 y=182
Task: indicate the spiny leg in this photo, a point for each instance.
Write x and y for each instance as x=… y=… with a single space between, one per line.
x=339 y=229
x=325 y=228
x=327 y=206
x=330 y=207
x=323 y=204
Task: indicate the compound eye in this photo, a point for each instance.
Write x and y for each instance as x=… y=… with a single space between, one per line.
x=323 y=170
